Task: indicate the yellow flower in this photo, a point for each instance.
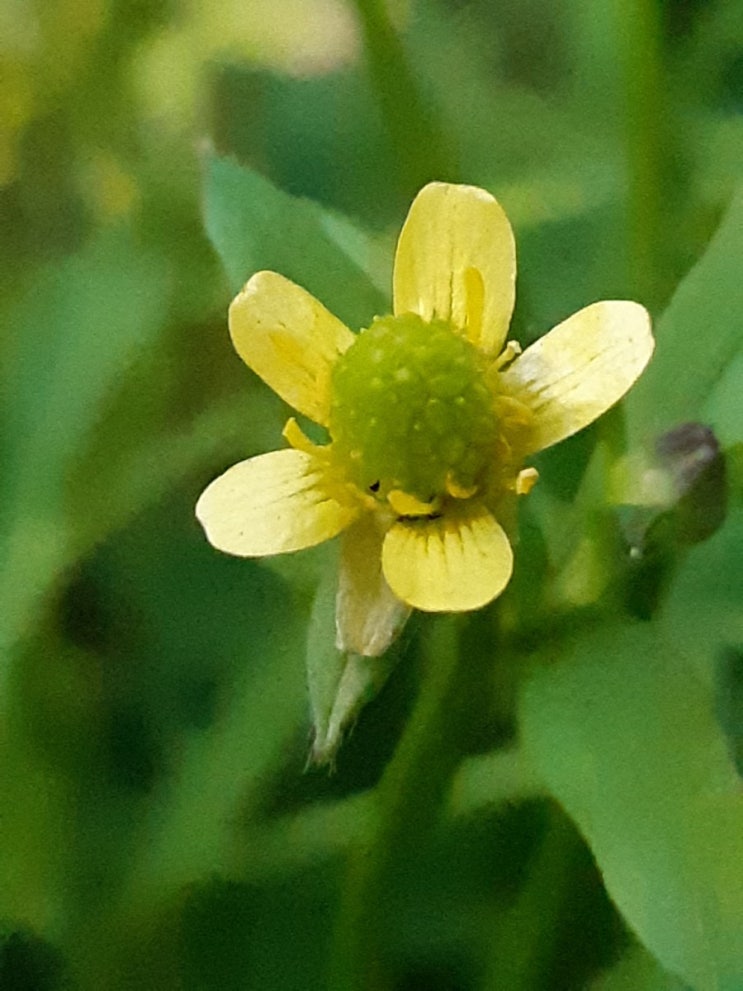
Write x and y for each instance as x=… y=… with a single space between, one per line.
x=429 y=418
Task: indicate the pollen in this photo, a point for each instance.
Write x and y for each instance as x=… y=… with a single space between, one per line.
x=412 y=411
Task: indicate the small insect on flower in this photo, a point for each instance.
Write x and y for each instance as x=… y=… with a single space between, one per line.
x=430 y=418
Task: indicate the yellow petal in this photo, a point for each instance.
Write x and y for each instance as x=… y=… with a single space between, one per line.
x=456 y=261
x=288 y=338
x=580 y=368
x=368 y=616
x=271 y=504
x=457 y=562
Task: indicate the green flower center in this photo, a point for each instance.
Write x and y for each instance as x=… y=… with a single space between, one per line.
x=411 y=409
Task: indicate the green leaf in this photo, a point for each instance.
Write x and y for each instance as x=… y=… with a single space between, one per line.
x=112 y=481
x=703 y=607
x=703 y=612
x=698 y=337
x=214 y=673
x=84 y=322
x=253 y=225
x=76 y=333
x=193 y=823
x=236 y=936
x=27 y=960
x=636 y=971
x=625 y=737
x=723 y=408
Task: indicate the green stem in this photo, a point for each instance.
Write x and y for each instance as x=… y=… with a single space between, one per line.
x=645 y=128
x=410 y=798
x=525 y=941
x=494 y=779
x=327 y=830
x=420 y=147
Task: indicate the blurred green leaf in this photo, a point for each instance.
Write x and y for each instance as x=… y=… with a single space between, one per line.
x=83 y=323
x=626 y=739
x=273 y=937
x=32 y=800
x=703 y=612
x=120 y=472
x=698 y=337
x=724 y=407
x=76 y=332
x=636 y=971
x=422 y=146
x=703 y=608
x=222 y=772
x=28 y=963
x=254 y=226
x=209 y=665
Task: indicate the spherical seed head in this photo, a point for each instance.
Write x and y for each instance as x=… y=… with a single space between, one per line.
x=411 y=407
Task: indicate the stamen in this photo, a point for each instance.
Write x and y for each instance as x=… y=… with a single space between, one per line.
x=407 y=505
x=458 y=491
x=512 y=414
x=511 y=351
x=298 y=439
x=526 y=480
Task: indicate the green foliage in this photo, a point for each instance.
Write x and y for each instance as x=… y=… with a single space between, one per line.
x=256 y=226
x=637 y=971
x=542 y=795
x=626 y=738
x=27 y=962
x=78 y=331
x=695 y=372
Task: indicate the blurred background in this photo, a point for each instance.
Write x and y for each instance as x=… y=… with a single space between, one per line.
x=158 y=828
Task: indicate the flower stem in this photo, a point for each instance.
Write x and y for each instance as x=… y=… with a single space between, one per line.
x=421 y=149
x=525 y=939
x=645 y=129
x=409 y=798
